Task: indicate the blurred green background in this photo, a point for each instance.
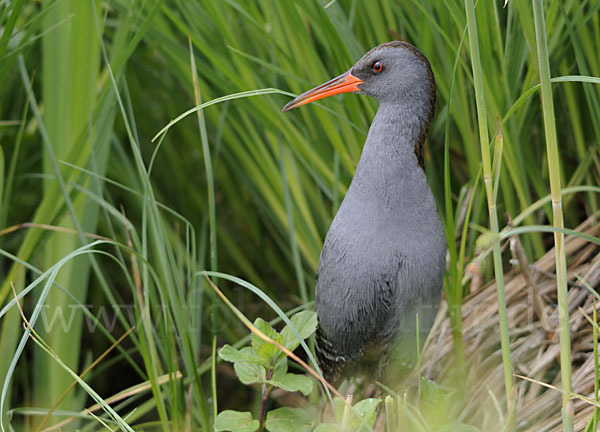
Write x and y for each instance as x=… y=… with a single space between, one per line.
x=77 y=159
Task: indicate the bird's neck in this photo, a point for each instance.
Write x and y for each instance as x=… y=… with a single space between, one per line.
x=391 y=163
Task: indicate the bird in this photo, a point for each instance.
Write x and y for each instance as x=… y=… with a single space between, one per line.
x=380 y=273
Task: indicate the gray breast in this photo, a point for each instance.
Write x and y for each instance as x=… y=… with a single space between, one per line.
x=374 y=278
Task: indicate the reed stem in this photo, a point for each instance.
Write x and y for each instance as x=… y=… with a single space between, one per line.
x=487 y=176
x=557 y=214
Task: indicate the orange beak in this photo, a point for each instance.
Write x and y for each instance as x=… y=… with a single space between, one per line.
x=345 y=83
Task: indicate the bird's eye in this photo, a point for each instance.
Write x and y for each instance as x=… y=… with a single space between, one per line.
x=377 y=67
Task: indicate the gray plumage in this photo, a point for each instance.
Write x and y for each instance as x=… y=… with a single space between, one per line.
x=383 y=258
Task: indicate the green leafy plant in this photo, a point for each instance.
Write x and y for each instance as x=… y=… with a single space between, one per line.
x=263 y=363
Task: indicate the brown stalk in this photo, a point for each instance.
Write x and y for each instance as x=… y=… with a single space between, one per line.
x=14 y=228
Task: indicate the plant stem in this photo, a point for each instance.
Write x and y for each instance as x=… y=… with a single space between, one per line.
x=212 y=218
x=263 y=406
x=263 y=401
x=557 y=214
x=455 y=287
x=595 y=345
x=487 y=176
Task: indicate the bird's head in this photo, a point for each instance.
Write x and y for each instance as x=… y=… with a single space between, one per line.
x=393 y=71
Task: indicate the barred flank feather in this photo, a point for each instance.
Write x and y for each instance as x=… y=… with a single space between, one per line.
x=330 y=361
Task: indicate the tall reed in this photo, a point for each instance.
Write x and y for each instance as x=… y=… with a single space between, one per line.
x=557 y=211
x=482 y=116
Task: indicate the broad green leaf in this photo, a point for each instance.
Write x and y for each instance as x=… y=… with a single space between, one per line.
x=281 y=368
x=436 y=403
x=235 y=421
x=306 y=324
x=365 y=409
x=339 y=407
x=231 y=354
x=250 y=373
x=267 y=352
x=326 y=427
x=293 y=382
x=288 y=420
x=431 y=390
